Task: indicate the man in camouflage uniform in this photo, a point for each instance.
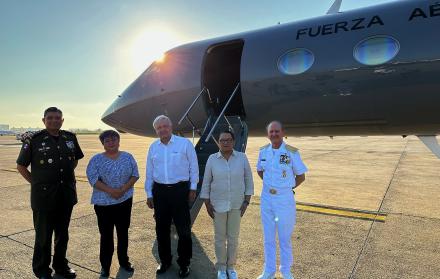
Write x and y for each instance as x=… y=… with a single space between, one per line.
x=53 y=155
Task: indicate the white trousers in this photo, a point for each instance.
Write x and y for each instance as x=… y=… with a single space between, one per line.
x=278 y=214
x=227 y=230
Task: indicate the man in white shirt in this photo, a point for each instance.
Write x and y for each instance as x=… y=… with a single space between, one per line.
x=171 y=182
x=281 y=168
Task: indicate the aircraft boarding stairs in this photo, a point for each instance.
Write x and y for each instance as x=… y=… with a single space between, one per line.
x=208 y=144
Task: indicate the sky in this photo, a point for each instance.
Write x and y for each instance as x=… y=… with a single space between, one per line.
x=79 y=55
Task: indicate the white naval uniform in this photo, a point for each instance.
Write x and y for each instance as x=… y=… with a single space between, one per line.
x=278 y=207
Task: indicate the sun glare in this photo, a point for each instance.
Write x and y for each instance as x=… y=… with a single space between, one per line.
x=150 y=45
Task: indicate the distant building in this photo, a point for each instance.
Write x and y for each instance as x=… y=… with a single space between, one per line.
x=85 y=131
x=4 y=127
x=22 y=129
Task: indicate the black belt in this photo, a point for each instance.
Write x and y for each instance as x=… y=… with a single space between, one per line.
x=171 y=185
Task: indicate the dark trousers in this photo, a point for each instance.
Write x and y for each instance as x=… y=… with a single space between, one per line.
x=171 y=204
x=109 y=217
x=45 y=224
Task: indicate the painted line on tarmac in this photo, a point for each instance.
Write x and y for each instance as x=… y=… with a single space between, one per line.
x=355 y=266
x=9 y=170
x=70 y=262
x=339 y=211
x=306 y=207
x=342 y=212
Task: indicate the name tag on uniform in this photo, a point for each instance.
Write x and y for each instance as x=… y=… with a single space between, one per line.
x=44 y=149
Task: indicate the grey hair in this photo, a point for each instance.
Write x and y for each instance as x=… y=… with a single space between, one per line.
x=274 y=122
x=160 y=118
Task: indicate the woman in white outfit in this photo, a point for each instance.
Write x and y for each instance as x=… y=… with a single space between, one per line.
x=227 y=189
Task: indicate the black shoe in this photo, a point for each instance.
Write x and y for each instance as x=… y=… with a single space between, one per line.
x=105 y=273
x=184 y=271
x=128 y=267
x=162 y=268
x=67 y=273
x=46 y=277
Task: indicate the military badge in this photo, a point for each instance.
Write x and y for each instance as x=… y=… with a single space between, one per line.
x=70 y=144
x=284 y=159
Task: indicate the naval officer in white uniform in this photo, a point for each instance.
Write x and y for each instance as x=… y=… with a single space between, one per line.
x=281 y=168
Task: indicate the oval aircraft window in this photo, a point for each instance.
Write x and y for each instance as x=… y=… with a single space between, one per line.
x=376 y=50
x=295 y=62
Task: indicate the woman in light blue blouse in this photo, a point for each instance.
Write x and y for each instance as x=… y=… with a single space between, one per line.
x=112 y=175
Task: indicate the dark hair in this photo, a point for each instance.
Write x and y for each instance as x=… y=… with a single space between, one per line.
x=52 y=109
x=227 y=132
x=108 y=134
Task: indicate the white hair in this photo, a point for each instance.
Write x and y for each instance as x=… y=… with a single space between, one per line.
x=160 y=118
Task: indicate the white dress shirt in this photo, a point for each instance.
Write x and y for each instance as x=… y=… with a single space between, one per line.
x=226 y=182
x=171 y=163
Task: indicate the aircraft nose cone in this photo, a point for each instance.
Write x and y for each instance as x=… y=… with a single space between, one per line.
x=130 y=111
x=111 y=116
x=166 y=87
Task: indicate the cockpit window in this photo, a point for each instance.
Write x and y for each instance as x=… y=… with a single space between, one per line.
x=376 y=50
x=296 y=61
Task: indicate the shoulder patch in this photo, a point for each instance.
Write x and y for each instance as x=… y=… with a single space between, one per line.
x=263 y=147
x=67 y=134
x=291 y=148
x=27 y=136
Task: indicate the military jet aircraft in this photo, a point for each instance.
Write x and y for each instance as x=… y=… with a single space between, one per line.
x=369 y=71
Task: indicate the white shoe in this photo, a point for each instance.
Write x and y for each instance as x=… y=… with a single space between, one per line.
x=266 y=275
x=232 y=274
x=287 y=276
x=221 y=274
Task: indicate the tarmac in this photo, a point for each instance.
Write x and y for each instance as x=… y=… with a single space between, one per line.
x=369 y=208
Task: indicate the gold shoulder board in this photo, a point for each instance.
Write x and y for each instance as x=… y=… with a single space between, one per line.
x=263 y=147
x=291 y=148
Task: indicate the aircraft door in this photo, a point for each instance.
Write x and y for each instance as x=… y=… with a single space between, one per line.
x=221 y=74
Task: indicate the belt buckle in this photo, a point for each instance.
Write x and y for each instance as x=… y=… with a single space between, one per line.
x=272 y=191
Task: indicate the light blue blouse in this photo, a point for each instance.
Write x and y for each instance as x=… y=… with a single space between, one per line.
x=114 y=173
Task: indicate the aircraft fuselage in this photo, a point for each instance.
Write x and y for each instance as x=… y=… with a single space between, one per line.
x=335 y=95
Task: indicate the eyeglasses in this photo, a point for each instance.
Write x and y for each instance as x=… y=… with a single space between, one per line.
x=226 y=141
x=112 y=139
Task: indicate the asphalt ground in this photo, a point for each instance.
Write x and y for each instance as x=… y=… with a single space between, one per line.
x=369 y=209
